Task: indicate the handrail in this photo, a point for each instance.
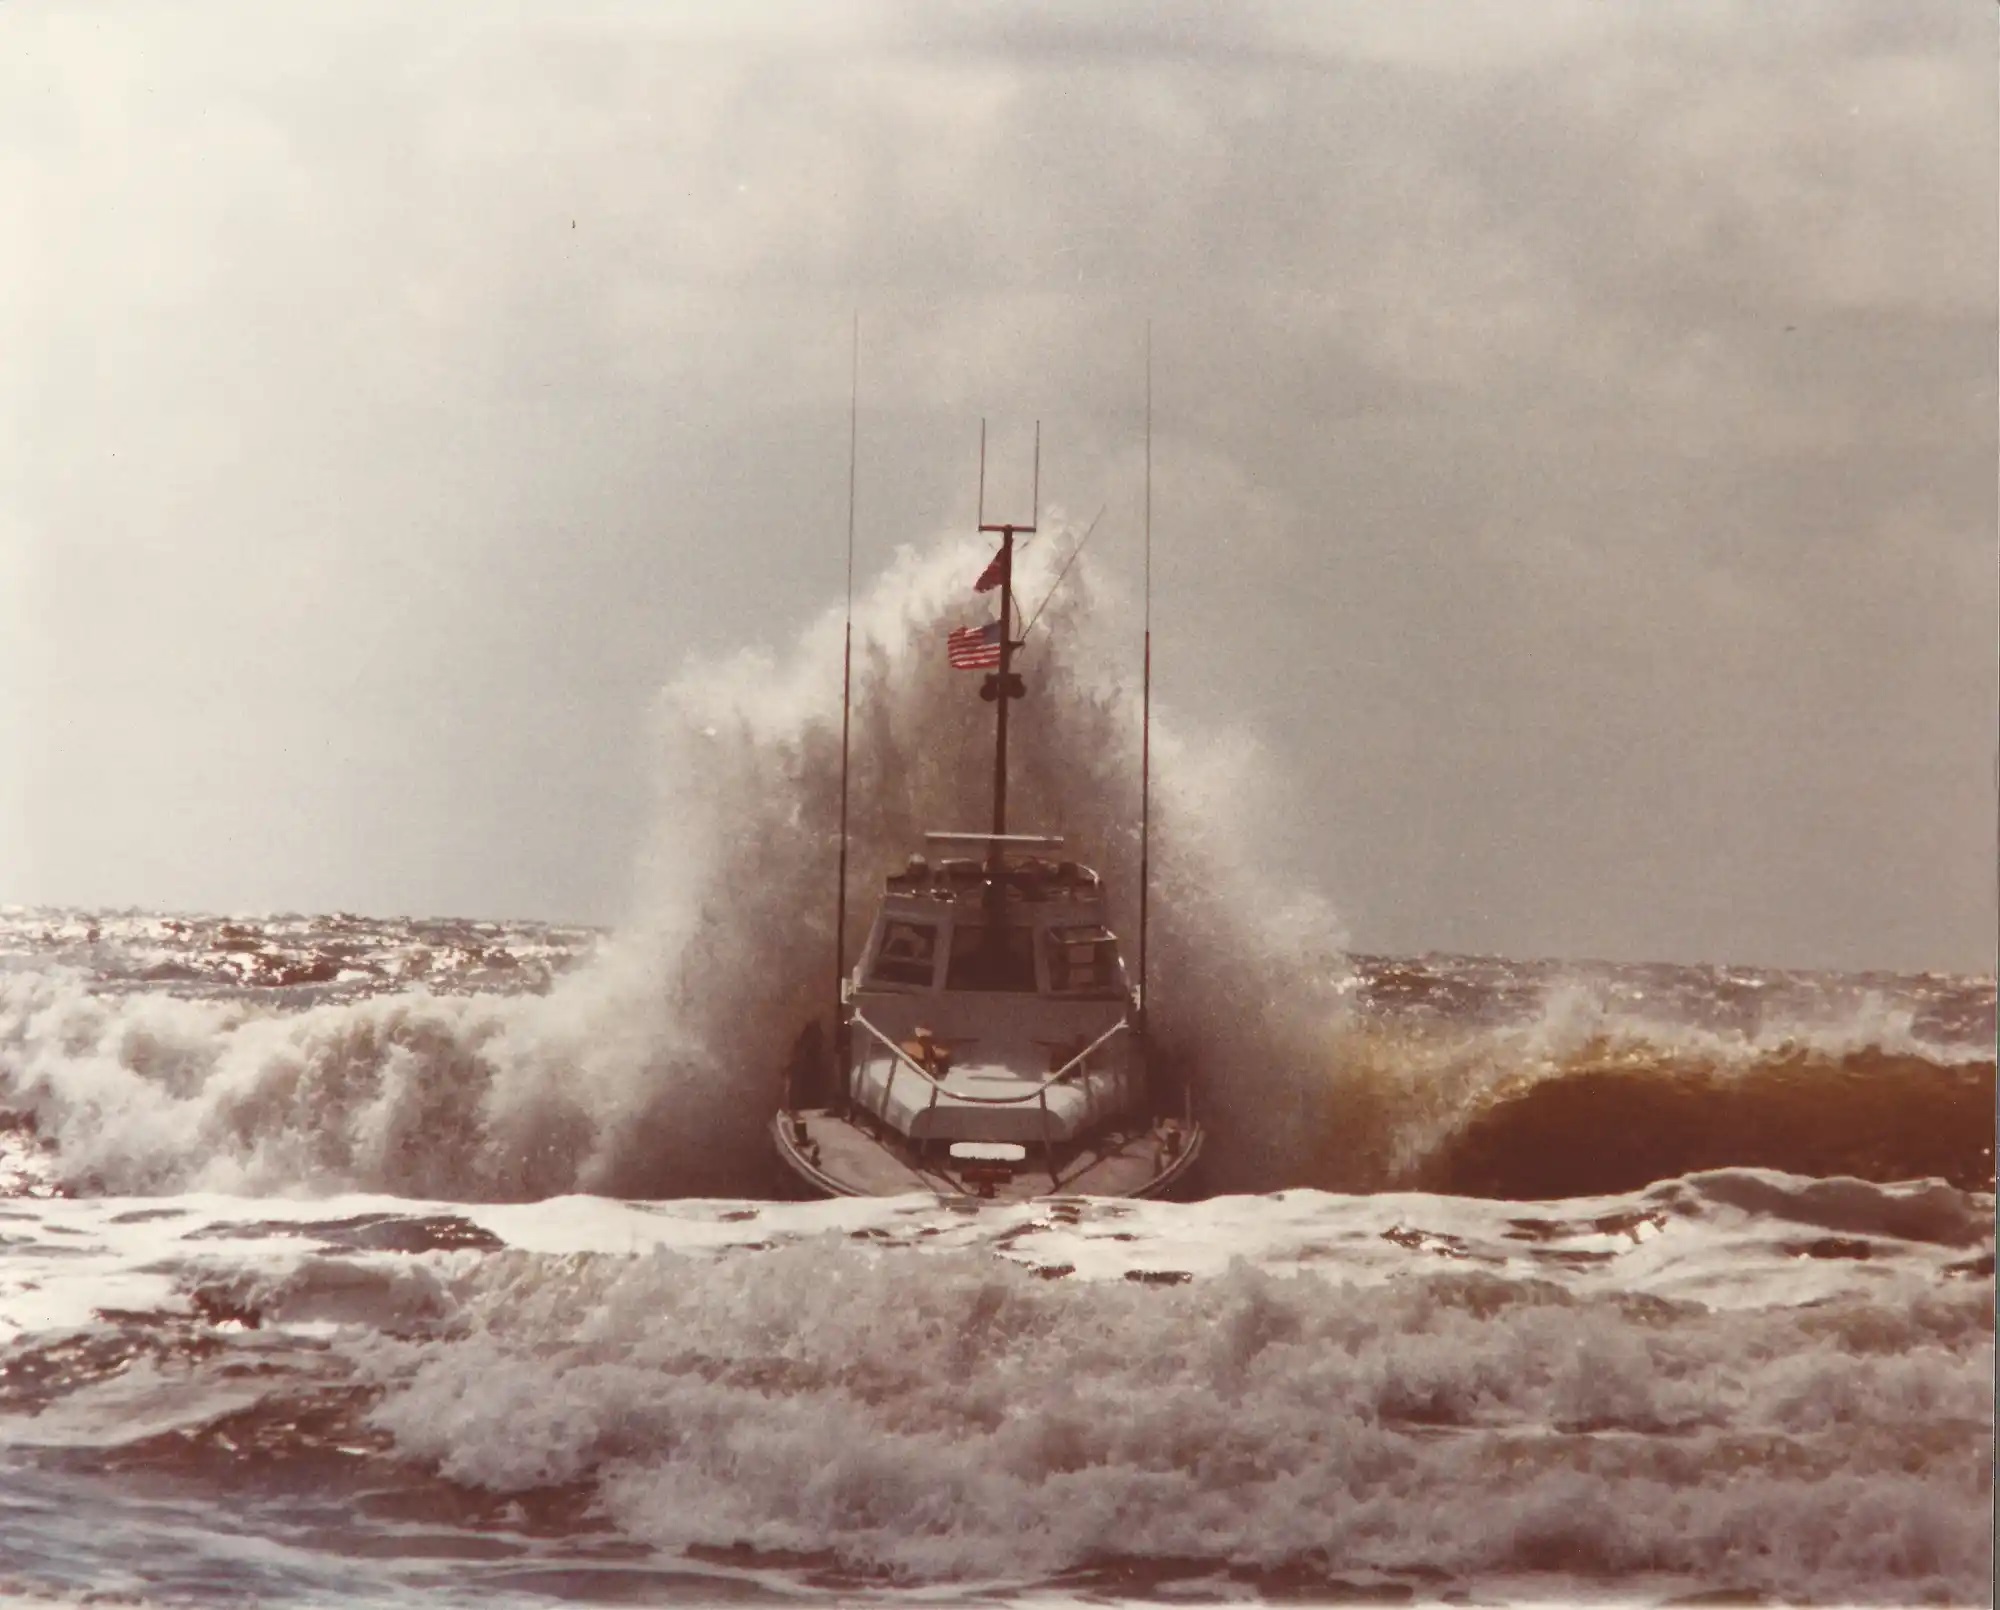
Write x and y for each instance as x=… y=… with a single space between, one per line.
x=924 y=1073
x=1063 y=1071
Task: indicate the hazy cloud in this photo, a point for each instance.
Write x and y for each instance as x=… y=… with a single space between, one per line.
x=1575 y=447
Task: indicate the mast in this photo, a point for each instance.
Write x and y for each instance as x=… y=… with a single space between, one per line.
x=846 y=683
x=1003 y=687
x=1003 y=695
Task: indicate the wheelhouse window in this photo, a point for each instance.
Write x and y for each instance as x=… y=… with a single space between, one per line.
x=906 y=955
x=1083 y=960
x=984 y=957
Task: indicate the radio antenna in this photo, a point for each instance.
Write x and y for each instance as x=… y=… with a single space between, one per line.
x=1146 y=691
x=846 y=685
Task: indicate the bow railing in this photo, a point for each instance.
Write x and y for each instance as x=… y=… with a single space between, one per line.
x=1055 y=1078
x=1038 y=1095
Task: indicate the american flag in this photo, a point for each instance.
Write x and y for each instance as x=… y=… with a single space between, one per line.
x=974 y=648
x=993 y=574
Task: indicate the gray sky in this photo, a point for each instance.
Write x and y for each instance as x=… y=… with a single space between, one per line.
x=1575 y=431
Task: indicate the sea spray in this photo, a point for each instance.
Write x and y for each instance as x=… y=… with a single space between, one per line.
x=652 y=1070
x=1243 y=974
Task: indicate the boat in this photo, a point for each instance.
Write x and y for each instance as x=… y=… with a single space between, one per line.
x=989 y=1043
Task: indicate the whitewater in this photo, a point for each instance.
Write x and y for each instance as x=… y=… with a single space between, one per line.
x=357 y=1260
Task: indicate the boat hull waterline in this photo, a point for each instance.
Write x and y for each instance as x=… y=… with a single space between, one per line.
x=836 y=1156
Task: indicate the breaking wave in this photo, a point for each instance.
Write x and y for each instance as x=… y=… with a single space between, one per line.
x=982 y=1423
x=1739 y=1383
x=598 y=1088
x=1582 y=1098
x=650 y=1069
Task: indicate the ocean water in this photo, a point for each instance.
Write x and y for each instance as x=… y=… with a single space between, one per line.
x=382 y=1261
x=311 y=1291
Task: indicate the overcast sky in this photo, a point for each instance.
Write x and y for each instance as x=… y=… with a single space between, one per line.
x=1575 y=431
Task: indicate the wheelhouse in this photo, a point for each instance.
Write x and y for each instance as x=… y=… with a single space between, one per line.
x=1031 y=927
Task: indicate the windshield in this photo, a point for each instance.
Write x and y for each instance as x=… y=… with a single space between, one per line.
x=985 y=958
x=1083 y=960
x=907 y=954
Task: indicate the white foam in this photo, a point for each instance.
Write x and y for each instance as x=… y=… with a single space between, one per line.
x=948 y=1415
x=1655 y=1388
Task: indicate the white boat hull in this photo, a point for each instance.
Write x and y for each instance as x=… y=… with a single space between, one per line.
x=837 y=1155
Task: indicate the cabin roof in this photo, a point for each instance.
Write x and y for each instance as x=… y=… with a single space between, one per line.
x=1035 y=879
